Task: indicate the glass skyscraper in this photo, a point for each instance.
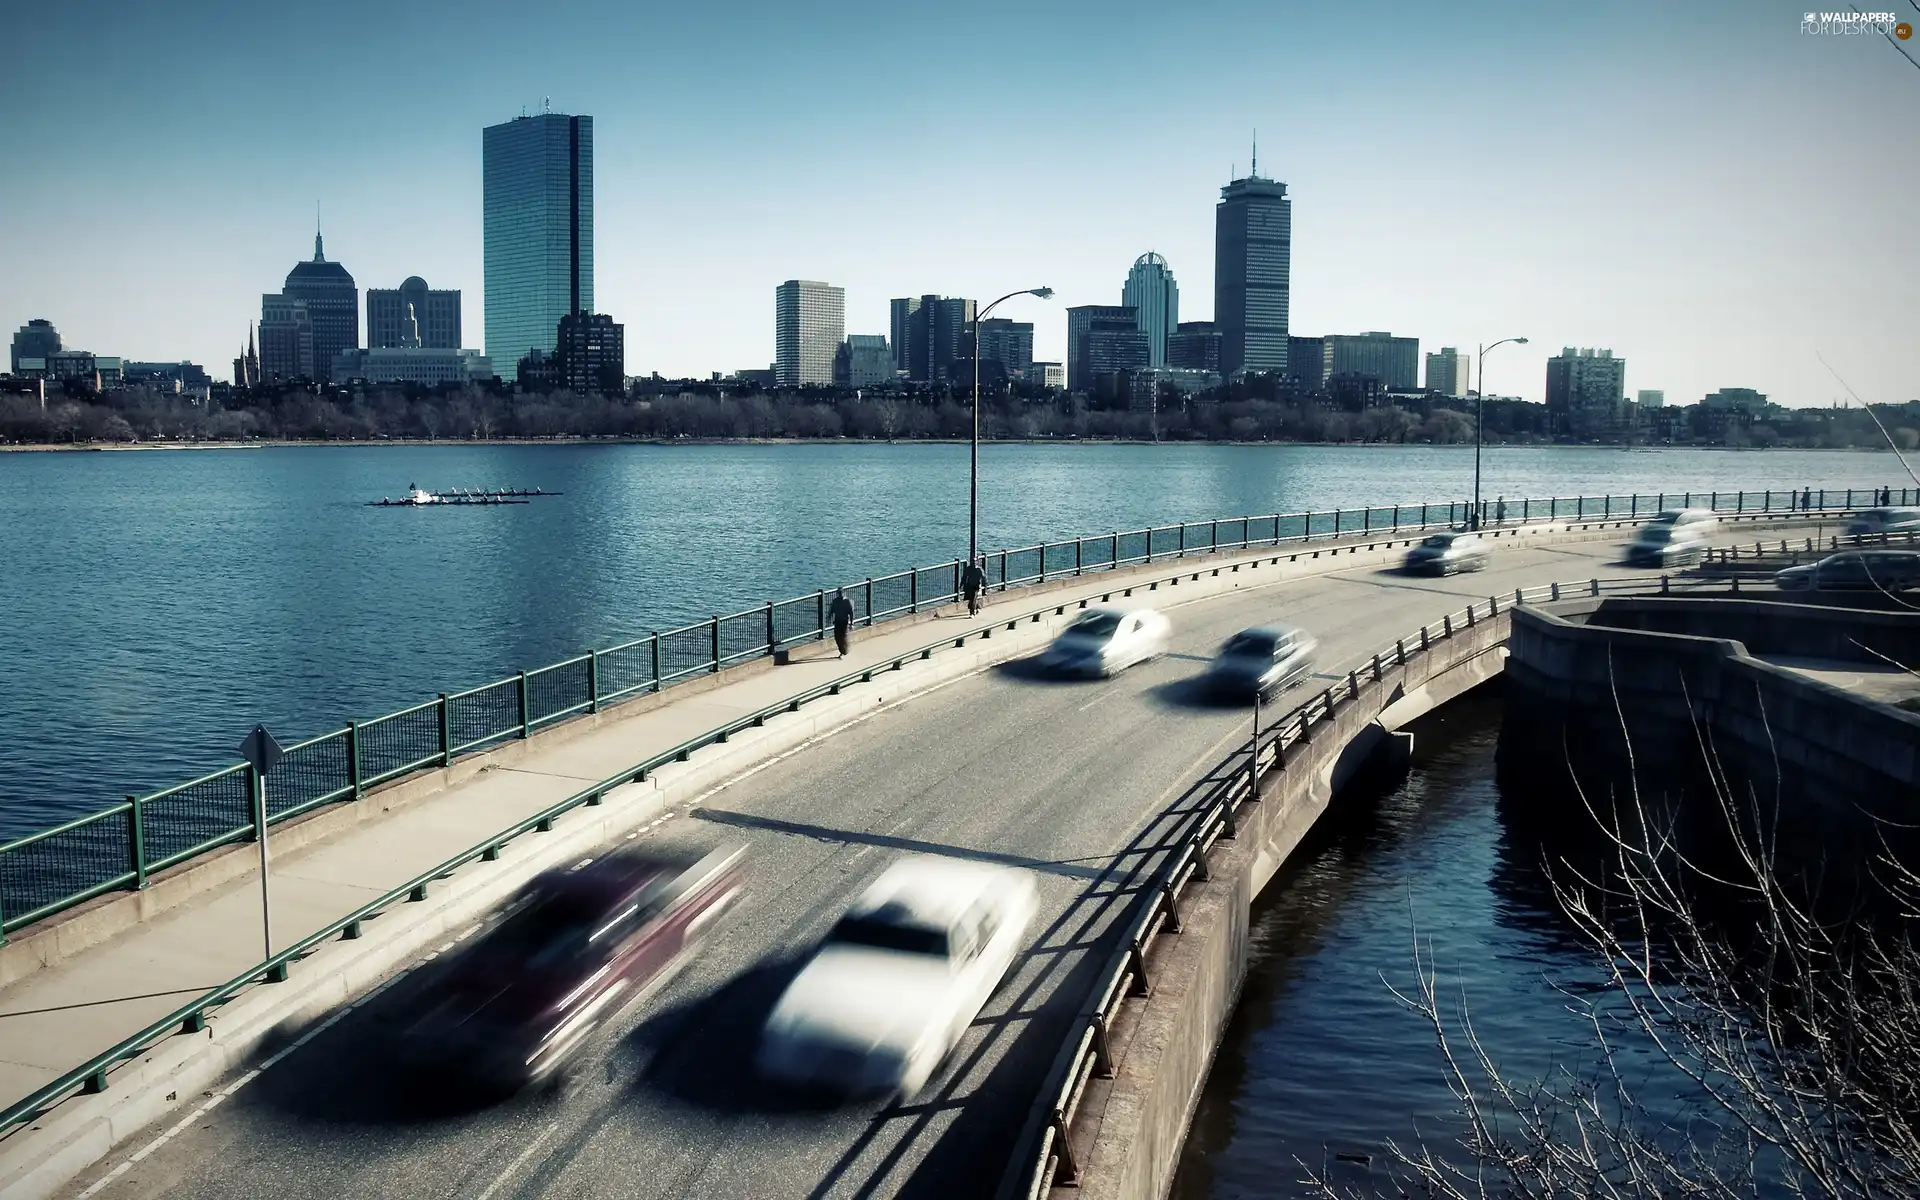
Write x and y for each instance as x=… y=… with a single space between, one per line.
x=1151 y=291
x=1252 y=246
x=537 y=177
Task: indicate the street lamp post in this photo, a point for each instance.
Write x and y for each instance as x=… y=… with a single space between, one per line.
x=1479 y=414
x=973 y=472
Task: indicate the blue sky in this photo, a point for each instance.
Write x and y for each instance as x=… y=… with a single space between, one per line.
x=1700 y=187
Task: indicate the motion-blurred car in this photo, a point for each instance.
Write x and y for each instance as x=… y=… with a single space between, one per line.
x=1106 y=641
x=563 y=957
x=892 y=989
x=1875 y=521
x=1854 y=571
x=1658 y=544
x=1700 y=521
x=1446 y=553
x=1262 y=661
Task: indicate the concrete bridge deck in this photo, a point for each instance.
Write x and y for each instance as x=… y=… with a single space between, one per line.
x=1075 y=780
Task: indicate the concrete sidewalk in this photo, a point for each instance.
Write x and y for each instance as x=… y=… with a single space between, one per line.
x=65 y=1013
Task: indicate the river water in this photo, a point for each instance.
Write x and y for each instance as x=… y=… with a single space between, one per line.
x=1322 y=1065
x=154 y=605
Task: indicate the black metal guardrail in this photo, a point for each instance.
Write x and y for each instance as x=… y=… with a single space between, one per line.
x=1087 y=1053
x=1766 y=557
x=91 y=1077
x=120 y=847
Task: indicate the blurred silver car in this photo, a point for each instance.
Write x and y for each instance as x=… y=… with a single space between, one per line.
x=1854 y=571
x=1659 y=544
x=898 y=980
x=1875 y=521
x=1106 y=641
x=1445 y=553
x=1262 y=661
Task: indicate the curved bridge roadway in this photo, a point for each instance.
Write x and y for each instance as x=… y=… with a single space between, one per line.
x=1079 y=781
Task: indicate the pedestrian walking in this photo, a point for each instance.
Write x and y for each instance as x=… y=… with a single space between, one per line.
x=972 y=581
x=841 y=614
x=1500 y=511
x=1806 y=499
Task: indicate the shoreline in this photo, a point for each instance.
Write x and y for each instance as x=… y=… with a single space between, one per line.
x=336 y=443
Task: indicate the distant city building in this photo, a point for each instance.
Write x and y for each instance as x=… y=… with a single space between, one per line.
x=1048 y=375
x=1392 y=360
x=1307 y=362
x=315 y=316
x=391 y=313
x=864 y=360
x=809 y=324
x=929 y=332
x=427 y=366
x=1252 y=245
x=1448 y=371
x=1152 y=293
x=1652 y=398
x=36 y=339
x=286 y=339
x=537 y=180
x=757 y=378
x=1725 y=411
x=181 y=378
x=591 y=350
x=1102 y=341
x=1009 y=343
x=1194 y=346
x=1355 y=391
x=246 y=368
x=538 y=371
x=1146 y=388
x=97 y=371
x=1586 y=393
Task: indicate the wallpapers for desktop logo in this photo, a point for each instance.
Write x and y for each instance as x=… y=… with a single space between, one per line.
x=1855 y=23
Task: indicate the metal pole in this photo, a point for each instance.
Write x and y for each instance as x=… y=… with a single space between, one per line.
x=973 y=470
x=1479 y=421
x=259 y=779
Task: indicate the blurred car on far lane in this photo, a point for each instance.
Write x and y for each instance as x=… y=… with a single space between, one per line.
x=1660 y=544
x=1874 y=521
x=1854 y=571
x=1262 y=661
x=1446 y=553
x=1106 y=641
x=571 y=950
x=898 y=980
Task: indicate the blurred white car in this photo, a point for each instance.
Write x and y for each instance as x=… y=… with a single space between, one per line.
x=888 y=994
x=1106 y=641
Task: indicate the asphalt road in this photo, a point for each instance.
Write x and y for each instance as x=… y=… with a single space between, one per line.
x=1081 y=781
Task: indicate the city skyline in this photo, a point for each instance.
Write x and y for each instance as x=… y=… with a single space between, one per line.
x=1722 y=250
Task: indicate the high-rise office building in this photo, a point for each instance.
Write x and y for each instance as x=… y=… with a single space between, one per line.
x=36 y=339
x=1652 y=398
x=1586 y=392
x=315 y=316
x=393 y=313
x=1448 y=371
x=537 y=180
x=1394 y=361
x=929 y=333
x=1103 y=340
x=809 y=321
x=1151 y=291
x=1252 y=246
x=1048 y=375
x=1009 y=343
x=863 y=360
x=1307 y=362
x=1194 y=346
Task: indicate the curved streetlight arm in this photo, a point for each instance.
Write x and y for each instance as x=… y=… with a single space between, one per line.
x=973 y=470
x=1479 y=414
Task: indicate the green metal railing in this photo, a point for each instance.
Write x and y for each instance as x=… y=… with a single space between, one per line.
x=121 y=847
x=93 y=1075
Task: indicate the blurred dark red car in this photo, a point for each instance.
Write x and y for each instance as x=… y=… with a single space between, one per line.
x=574 y=948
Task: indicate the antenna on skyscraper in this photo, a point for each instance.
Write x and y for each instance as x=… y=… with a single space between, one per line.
x=1253 y=172
x=546 y=104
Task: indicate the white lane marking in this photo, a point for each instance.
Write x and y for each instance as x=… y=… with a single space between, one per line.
x=500 y=1180
x=221 y=1096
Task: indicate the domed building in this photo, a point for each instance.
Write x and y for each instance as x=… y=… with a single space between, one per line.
x=394 y=315
x=315 y=316
x=1151 y=292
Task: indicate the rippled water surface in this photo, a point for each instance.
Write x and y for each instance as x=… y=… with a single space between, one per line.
x=1321 y=1061
x=154 y=605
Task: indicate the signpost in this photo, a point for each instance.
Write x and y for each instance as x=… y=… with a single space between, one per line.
x=262 y=753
